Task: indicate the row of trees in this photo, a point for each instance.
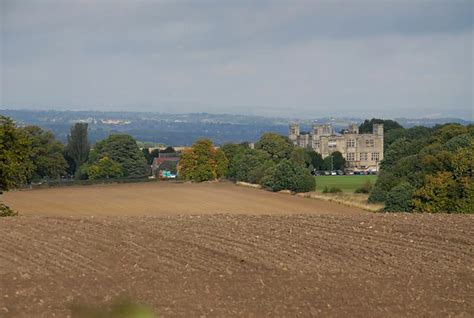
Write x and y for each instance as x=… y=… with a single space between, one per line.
x=29 y=154
x=274 y=163
x=427 y=169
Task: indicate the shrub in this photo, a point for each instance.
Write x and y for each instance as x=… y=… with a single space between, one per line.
x=288 y=176
x=385 y=182
x=7 y=211
x=332 y=189
x=399 y=199
x=305 y=183
x=365 y=188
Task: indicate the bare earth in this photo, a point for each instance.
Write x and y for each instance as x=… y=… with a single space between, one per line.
x=220 y=251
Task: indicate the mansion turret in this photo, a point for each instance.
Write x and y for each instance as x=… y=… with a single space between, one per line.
x=361 y=151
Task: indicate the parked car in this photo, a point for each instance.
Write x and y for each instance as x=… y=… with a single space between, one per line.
x=333 y=173
x=340 y=172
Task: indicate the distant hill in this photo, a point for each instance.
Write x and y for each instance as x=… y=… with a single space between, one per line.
x=182 y=129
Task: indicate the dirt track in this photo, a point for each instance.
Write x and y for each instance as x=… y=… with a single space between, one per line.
x=335 y=264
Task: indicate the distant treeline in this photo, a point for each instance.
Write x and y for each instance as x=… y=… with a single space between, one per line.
x=179 y=129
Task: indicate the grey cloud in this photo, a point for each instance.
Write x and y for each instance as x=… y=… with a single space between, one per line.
x=305 y=58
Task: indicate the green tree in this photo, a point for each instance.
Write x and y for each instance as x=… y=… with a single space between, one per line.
x=46 y=153
x=247 y=162
x=288 y=175
x=367 y=126
x=338 y=160
x=458 y=142
x=390 y=136
x=334 y=161
x=15 y=164
x=147 y=155
x=397 y=150
x=105 y=168
x=300 y=156
x=259 y=172
x=327 y=164
x=463 y=167
x=446 y=132
x=315 y=158
x=78 y=147
x=122 y=149
x=436 y=162
x=399 y=198
x=385 y=182
x=277 y=146
x=232 y=153
x=222 y=163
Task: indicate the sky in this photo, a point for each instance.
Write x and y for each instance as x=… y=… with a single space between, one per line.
x=306 y=59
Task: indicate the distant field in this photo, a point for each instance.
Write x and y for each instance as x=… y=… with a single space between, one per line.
x=163 y=198
x=345 y=183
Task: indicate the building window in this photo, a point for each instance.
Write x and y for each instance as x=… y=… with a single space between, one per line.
x=350 y=156
x=350 y=143
x=316 y=144
x=332 y=144
x=375 y=156
x=363 y=156
x=369 y=143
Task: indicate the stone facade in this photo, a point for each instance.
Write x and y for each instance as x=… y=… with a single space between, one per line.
x=361 y=151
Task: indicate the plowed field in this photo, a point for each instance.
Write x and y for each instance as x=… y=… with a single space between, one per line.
x=227 y=264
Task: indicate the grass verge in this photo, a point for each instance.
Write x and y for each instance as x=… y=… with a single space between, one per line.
x=356 y=200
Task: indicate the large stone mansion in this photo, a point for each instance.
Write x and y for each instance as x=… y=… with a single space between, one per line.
x=361 y=151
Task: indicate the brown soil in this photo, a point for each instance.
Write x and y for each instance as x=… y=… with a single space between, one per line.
x=160 y=198
x=333 y=264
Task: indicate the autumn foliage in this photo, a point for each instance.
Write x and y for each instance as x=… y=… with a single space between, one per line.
x=202 y=162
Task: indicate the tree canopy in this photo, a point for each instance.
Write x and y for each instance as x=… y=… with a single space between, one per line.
x=78 y=147
x=278 y=147
x=15 y=163
x=123 y=150
x=436 y=163
x=367 y=126
x=46 y=154
x=288 y=175
x=233 y=153
x=202 y=162
x=274 y=163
